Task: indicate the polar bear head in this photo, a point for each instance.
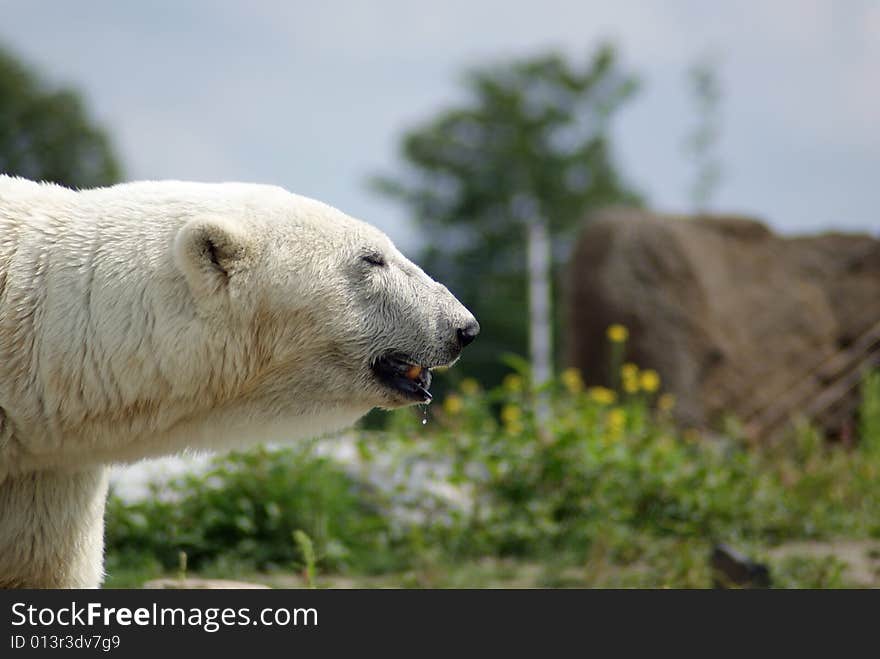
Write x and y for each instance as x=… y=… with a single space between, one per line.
x=325 y=310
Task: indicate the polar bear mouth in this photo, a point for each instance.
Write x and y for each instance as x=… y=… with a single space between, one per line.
x=405 y=376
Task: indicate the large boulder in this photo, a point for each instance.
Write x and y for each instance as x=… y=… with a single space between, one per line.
x=736 y=319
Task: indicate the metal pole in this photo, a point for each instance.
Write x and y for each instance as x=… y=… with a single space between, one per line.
x=540 y=325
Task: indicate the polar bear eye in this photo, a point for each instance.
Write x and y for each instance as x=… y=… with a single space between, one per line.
x=374 y=259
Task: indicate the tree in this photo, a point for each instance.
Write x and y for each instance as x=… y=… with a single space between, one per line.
x=45 y=134
x=531 y=144
x=701 y=142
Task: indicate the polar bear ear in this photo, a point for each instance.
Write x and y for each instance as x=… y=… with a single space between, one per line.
x=209 y=252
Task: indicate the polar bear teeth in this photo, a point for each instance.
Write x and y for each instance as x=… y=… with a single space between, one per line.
x=400 y=373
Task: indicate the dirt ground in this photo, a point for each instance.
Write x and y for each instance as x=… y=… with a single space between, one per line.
x=860 y=560
x=862 y=557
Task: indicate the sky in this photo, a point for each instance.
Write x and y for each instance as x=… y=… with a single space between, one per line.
x=314 y=96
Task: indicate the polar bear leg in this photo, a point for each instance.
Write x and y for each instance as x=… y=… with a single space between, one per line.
x=52 y=529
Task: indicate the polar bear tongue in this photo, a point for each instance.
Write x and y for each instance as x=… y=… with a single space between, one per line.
x=402 y=375
x=421 y=379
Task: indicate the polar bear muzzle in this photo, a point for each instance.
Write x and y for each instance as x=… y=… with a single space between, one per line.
x=405 y=376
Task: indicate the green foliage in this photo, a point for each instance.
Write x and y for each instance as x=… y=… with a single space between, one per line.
x=245 y=511
x=701 y=143
x=45 y=134
x=532 y=138
x=869 y=413
x=310 y=560
x=607 y=493
x=810 y=572
x=611 y=469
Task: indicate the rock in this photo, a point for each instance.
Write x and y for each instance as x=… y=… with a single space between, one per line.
x=734 y=317
x=731 y=569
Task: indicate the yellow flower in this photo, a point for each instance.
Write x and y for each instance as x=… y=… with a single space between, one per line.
x=666 y=403
x=469 y=387
x=513 y=382
x=629 y=378
x=601 y=395
x=616 y=421
x=649 y=380
x=453 y=404
x=571 y=378
x=617 y=333
x=510 y=414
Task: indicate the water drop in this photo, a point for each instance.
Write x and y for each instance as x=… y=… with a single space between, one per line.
x=425 y=418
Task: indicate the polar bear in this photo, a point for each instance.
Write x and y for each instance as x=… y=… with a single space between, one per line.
x=149 y=318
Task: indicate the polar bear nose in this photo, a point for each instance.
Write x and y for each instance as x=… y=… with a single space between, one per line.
x=468 y=333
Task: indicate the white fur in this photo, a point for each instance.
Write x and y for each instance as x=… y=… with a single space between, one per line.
x=149 y=318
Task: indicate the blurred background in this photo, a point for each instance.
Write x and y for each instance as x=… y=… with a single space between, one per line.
x=663 y=214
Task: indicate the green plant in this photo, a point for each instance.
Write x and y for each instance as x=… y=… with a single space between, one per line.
x=307 y=550
x=869 y=413
x=609 y=493
x=810 y=572
x=612 y=477
x=244 y=510
x=181 y=567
